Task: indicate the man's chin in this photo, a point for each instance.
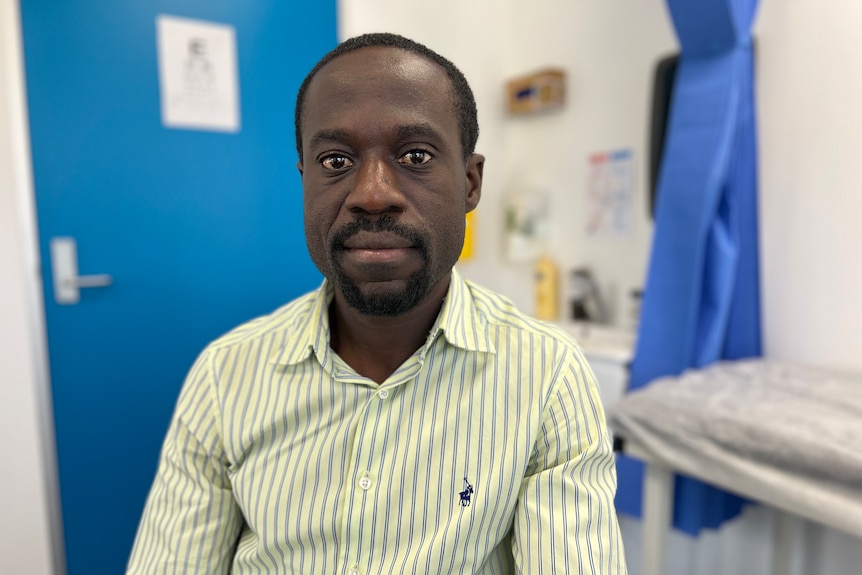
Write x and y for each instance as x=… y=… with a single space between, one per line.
x=385 y=299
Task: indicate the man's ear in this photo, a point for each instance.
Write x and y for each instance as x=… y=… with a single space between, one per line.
x=299 y=167
x=475 y=169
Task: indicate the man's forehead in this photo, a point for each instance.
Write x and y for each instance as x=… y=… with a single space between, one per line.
x=398 y=88
x=385 y=77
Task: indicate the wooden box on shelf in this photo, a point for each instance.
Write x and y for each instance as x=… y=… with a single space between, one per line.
x=541 y=90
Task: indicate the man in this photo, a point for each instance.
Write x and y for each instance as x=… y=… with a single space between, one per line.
x=400 y=419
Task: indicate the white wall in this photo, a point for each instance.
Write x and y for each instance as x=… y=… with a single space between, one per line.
x=809 y=119
x=25 y=488
x=810 y=91
x=608 y=50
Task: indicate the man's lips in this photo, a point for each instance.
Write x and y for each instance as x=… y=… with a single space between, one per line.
x=376 y=241
x=377 y=248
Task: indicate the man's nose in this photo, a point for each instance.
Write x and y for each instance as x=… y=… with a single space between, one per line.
x=375 y=188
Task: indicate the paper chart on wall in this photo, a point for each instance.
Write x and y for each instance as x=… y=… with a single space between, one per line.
x=198 y=74
x=610 y=194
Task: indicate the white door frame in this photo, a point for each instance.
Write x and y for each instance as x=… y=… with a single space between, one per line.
x=31 y=534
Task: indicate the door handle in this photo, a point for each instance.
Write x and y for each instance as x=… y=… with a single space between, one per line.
x=64 y=267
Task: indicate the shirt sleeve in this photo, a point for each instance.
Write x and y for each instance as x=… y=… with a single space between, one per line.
x=191 y=521
x=565 y=521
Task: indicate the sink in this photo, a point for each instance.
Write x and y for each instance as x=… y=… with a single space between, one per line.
x=600 y=341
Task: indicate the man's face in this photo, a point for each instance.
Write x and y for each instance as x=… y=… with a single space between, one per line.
x=386 y=186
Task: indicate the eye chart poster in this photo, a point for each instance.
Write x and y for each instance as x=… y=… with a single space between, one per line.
x=198 y=74
x=610 y=194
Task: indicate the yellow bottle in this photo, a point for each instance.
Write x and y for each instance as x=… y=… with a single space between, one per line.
x=547 y=281
x=469 y=237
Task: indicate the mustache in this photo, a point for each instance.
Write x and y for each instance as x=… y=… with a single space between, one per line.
x=384 y=223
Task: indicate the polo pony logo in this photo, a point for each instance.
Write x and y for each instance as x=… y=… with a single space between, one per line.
x=466 y=494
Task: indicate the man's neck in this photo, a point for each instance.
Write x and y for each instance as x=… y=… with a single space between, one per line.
x=376 y=346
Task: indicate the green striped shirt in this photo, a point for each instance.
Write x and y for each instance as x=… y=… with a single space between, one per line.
x=485 y=452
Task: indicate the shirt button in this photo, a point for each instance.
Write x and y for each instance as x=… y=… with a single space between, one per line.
x=383 y=393
x=355 y=571
x=365 y=483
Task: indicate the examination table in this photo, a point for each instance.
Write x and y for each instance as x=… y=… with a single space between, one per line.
x=786 y=435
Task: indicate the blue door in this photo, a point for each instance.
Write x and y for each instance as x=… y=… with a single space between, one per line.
x=199 y=230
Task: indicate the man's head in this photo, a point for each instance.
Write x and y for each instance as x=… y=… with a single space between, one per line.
x=386 y=178
x=464 y=103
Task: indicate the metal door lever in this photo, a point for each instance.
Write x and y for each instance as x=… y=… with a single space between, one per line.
x=64 y=266
x=91 y=281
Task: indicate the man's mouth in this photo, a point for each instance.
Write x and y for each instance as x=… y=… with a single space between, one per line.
x=377 y=248
x=377 y=241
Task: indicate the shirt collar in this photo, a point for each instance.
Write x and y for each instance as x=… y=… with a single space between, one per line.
x=309 y=334
x=458 y=321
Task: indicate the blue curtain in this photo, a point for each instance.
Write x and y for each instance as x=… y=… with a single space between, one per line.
x=701 y=299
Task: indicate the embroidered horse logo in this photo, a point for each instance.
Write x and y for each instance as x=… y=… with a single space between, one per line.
x=466 y=494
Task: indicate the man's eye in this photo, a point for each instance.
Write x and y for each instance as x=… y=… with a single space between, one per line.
x=415 y=157
x=336 y=162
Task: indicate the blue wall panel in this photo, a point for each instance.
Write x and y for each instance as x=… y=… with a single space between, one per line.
x=200 y=230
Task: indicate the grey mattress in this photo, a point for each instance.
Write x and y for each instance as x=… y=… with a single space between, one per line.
x=784 y=434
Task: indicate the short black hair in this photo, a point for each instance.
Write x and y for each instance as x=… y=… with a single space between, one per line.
x=465 y=104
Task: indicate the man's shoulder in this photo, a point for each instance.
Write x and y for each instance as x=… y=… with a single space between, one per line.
x=500 y=313
x=290 y=319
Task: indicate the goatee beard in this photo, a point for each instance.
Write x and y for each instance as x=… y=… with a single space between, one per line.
x=381 y=304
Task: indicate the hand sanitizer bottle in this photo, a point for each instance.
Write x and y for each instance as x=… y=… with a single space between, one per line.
x=546 y=280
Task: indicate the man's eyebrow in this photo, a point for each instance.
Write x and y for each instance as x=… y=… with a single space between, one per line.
x=324 y=136
x=404 y=132
x=418 y=131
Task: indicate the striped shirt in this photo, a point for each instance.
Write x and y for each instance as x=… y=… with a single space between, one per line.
x=485 y=452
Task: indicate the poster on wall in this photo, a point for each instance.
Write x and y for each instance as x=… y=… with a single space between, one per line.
x=197 y=74
x=610 y=194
